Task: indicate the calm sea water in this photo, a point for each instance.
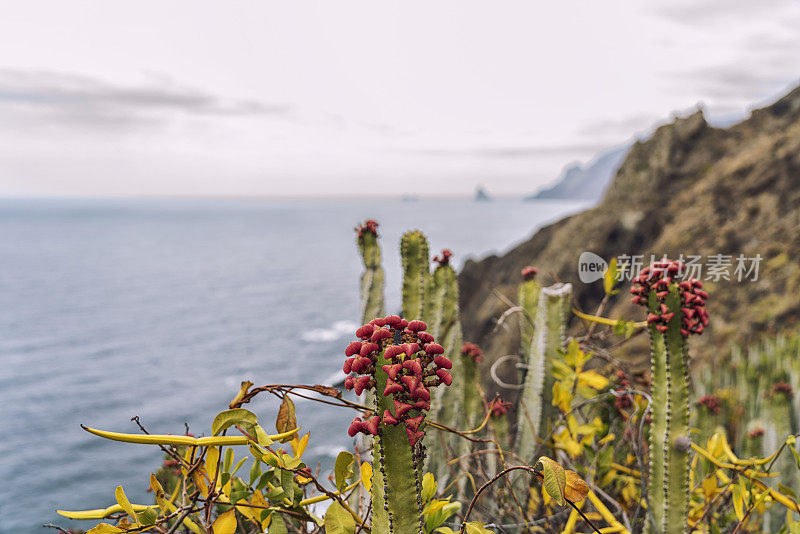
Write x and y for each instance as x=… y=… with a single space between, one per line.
x=160 y=308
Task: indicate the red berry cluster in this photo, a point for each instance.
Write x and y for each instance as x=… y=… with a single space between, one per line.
x=500 y=407
x=416 y=365
x=529 y=273
x=473 y=351
x=711 y=402
x=444 y=259
x=756 y=433
x=658 y=278
x=369 y=226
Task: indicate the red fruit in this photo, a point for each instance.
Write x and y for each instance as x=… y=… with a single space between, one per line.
x=393 y=351
x=662 y=294
x=388 y=418
x=348 y=366
x=402 y=324
x=425 y=337
x=684 y=332
x=445 y=376
x=415 y=366
x=400 y=408
x=352 y=348
x=529 y=272
x=414 y=422
x=367 y=348
x=365 y=331
x=358 y=364
x=702 y=294
x=434 y=348
x=377 y=322
x=355 y=427
x=664 y=308
x=421 y=393
x=391 y=387
x=422 y=405
x=698 y=329
x=685 y=285
x=393 y=370
x=414 y=437
x=379 y=334
x=687 y=312
x=667 y=317
x=639 y=300
x=443 y=362
x=349 y=382
x=652 y=318
x=371 y=426
x=411 y=349
x=416 y=326
x=661 y=328
x=362 y=383
x=696 y=283
x=392 y=320
x=411 y=382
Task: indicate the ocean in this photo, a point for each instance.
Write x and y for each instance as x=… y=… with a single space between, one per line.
x=159 y=308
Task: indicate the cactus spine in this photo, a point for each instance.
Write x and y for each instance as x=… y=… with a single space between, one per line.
x=675 y=310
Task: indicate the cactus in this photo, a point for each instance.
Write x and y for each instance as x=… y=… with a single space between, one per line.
x=372 y=279
x=676 y=310
x=416 y=272
x=401 y=393
x=441 y=313
x=547 y=339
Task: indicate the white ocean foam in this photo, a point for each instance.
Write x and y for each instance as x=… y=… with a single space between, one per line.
x=337 y=330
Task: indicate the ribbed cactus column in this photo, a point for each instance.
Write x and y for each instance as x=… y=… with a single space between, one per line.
x=548 y=338
x=676 y=310
x=372 y=279
x=416 y=272
x=441 y=314
x=400 y=363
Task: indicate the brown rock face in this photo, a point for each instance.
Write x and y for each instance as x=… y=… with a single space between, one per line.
x=690 y=189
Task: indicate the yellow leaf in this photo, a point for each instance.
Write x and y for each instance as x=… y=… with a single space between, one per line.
x=562 y=397
x=104 y=528
x=555 y=480
x=199 y=479
x=576 y=489
x=299 y=445
x=592 y=379
x=366 y=475
x=212 y=461
x=159 y=493
x=709 y=488
x=226 y=523
x=248 y=511
x=123 y=501
x=246 y=385
x=738 y=502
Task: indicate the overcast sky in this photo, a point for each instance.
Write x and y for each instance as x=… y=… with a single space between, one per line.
x=363 y=97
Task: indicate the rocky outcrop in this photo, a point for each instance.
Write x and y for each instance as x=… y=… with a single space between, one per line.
x=585 y=183
x=689 y=189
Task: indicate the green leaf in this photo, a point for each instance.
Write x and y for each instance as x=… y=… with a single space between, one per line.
x=790 y=443
x=343 y=469
x=474 y=527
x=147 y=516
x=610 y=278
x=555 y=479
x=255 y=471
x=286 y=420
x=338 y=520
x=228 y=461
x=229 y=418
x=287 y=483
x=428 y=487
x=277 y=526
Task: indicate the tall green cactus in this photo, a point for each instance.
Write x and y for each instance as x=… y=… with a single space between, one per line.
x=372 y=279
x=416 y=273
x=448 y=407
x=676 y=310
x=548 y=337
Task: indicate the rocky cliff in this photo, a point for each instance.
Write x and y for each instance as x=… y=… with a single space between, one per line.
x=690 y=188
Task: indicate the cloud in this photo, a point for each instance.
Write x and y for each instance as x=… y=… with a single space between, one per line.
x=703 y=12
x=619 y=128
x=47 y=98
x=512 y=152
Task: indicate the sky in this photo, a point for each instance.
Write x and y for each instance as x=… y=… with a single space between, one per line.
x=363 y=97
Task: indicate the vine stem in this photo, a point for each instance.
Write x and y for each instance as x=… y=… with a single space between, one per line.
x=501 y=474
